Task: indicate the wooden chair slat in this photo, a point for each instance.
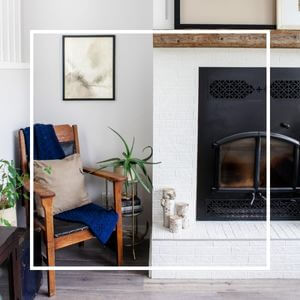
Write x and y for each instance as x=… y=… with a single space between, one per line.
x=64 y=133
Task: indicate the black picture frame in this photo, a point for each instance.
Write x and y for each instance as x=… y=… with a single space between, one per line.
x=113 y=37
x=179 y=25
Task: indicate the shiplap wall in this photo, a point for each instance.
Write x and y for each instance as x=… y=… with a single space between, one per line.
x=10 y=32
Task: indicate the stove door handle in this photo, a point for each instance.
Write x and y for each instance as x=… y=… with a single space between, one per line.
x=285 y=125
x=253 y=198
x=262 y=196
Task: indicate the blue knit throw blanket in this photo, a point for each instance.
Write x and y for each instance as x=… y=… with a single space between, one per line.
x=100 y=221
x=46 y=144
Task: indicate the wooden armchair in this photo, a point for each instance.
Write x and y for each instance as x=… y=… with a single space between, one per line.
x=59 y=234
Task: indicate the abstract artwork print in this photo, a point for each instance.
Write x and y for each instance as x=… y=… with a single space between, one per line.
x=88 y=67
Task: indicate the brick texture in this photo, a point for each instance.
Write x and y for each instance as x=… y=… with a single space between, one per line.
x=175 y=142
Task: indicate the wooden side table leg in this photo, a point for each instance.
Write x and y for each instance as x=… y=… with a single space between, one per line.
x=133 y=221
x=119 y=229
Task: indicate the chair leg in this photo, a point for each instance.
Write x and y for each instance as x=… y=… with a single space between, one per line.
x=51 y=283
x=51 y=274
x=119 y=245
x=119 y=228
x=50 y=244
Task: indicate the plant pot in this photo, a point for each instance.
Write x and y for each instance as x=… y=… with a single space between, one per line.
x=9 y=214
x=120 y=171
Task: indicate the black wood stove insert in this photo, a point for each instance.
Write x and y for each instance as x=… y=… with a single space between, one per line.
x=231 y=182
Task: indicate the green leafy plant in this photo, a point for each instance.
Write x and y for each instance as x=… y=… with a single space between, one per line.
x=134 y=168
x=48 y=170
x=11 y=183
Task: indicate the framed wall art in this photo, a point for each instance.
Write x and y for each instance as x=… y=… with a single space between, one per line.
x=225 y=14
x=89 y=67
x=288 y=14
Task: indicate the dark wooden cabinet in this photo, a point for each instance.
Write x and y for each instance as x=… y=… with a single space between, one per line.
x=11 y=239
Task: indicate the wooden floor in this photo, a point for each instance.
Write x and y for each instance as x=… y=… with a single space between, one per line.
x=94 y=254
x=4 y=285
x=131 y=285
x=136 y=285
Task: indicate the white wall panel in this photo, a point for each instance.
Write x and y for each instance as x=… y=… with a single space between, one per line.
x=163 y=14
x=10 y=33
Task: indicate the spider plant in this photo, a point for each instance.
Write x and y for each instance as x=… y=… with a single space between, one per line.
x=134 y=168
x=11 y=184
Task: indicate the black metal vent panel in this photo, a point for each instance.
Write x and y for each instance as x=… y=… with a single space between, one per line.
x=285 y=89
x=281 y=209
x=230 y=89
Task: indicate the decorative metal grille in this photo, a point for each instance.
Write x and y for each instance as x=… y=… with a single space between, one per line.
x=242 y=209
x=230 y=89
x=285 y=89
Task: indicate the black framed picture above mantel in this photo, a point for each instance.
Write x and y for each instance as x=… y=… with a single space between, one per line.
x=88 y=67
x=225 y=14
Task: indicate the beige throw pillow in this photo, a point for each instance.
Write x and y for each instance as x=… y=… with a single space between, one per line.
x=65 y=178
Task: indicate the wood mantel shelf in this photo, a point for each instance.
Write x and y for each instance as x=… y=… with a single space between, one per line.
x=285 y=39
x=279 y=39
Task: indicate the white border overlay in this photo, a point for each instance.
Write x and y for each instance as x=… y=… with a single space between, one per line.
x=265 y=267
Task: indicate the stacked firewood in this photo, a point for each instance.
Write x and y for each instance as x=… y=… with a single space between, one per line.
x=175 y=215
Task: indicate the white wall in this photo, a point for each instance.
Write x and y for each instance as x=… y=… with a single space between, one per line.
x=84 y=15
x=289 y=58
x=54 y=14
x=14 y=94
x=14 y=80
x=130 y=114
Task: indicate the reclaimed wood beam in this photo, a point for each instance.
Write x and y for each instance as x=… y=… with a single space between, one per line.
x=213 y=40
x=285 y=39
x=279 y=39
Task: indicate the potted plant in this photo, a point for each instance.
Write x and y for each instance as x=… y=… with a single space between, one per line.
x=129 y=166
x=11 y=184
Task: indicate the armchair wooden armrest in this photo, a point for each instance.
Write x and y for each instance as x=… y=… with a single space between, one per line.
x=46 y=197
x=104 y=174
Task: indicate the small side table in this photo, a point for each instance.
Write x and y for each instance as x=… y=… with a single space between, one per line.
x=134 y=238
x=10 y=240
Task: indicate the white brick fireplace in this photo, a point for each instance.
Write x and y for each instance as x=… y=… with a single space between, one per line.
x=207 y=243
